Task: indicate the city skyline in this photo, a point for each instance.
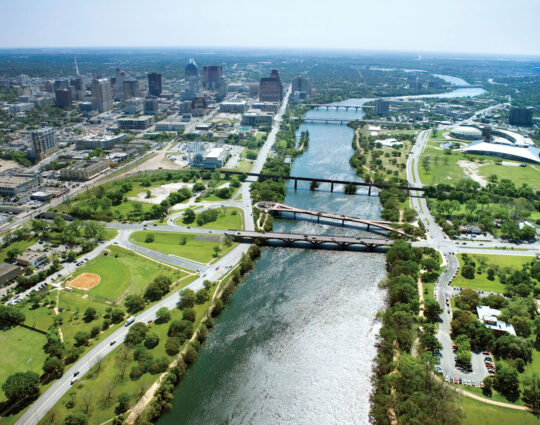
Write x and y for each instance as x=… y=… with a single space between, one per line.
x=472 y=27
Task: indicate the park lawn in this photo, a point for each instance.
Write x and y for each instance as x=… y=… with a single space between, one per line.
x=21 y=245
x=244 y=166
x=169 y=243
x=108 y=375
x=226 y=220
x=123 y=272
x=481 y=281
x=519 y=175
x=429 y=288
x=443 y=168
x=21 y=350
x=477 y=413
x=110 y=234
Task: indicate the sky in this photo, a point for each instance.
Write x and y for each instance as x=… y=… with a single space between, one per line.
x=464 y=26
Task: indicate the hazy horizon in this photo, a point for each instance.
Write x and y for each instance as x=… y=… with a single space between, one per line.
x=478 y=27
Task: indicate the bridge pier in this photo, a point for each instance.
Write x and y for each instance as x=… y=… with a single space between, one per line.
x=295 y=184
x=294 y=214
x=368 y=227
x=369 y=191
x=332 y=187
x=343 y=223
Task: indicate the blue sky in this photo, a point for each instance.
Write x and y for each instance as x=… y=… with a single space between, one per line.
x=475 y=26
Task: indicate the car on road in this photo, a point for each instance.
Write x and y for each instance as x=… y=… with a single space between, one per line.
x=455 y=380
x=150 y=320
x=74 y=380
x=76 y=373
x=460 y=381
x=112 y=342
x=473 y=383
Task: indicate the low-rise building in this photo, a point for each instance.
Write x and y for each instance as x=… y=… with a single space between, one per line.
x=100 y=140
x=134 y=105
x=488 y=316
x=266 y=106
x=84 y=170
x=215 y=158
x=238 y=107
x=141 y=123
x=15 y=184
x=8 y=272
x=31 y=258
x=170 y=125
x=255 y=117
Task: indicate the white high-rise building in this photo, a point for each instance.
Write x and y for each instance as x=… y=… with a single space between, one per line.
x=102 y=94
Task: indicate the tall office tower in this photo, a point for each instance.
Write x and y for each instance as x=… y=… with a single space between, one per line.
x=120 y=76
x=154 y=84
x=212 y=75
x=63 y=98
x=43 y=142
x=151 y=105
x=78 y=83
x=102 y=94
x=301 y=84
x=382 y=107
x=271 y=89
x=222 y=89
x=520 y=116
x=131 y=88
x=61 y=84
x=193 y=84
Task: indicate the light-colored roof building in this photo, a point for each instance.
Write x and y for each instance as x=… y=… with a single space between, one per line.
x=488 y=316
x=517 y=153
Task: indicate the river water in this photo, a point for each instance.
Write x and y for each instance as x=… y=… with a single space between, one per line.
x=296 y=344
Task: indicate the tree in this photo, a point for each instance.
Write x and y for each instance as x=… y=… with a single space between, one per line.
x=10 y=316
x=117 y=315
x=202 y=296
x=163 y=315
x=149 y=238
x=151 y=340
x=531 y=393
x=468 y=271
x=432 y=310
x=190 y=355
x=506 y=381
x=136 y=334
x=467 y=299
x=179 y=328
x=81 y=338
x=54 y=367
x=134 y=303
x=172 y=346
x=488 y=384
x=189 y=216
x=89 y=314
x=123 y=404
x=21 y=386
x=189 y=314
x=491 y=274
x=187 y=299
x=79 y=419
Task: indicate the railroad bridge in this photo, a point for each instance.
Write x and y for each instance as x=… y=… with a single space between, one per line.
x=277 y=208
x=316 y=241
x=332 y=182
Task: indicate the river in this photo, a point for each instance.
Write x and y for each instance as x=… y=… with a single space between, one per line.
x=296 y=344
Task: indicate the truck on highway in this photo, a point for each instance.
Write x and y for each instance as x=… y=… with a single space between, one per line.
x=130 y=321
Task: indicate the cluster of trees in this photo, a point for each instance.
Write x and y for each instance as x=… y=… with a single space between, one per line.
x=247 y=140
x=207 y=216
x=142 y=341
x=495 y=208
x=410 y=379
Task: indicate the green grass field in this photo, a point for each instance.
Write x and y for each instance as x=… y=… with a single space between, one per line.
x=169 y=243
x=226 y=220
x=244 y=166
x=123 y=272
x=519 y=175
x=478 y=413
x=481 y=281
x=110 y=234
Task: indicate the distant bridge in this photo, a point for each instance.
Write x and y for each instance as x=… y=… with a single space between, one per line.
x=332 y=182
x=275 y=207
x=337 y=107
x=316 y=241
x=348 y=120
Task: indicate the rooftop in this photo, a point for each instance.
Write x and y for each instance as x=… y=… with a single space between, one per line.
x=530 y=154
x=488 y=316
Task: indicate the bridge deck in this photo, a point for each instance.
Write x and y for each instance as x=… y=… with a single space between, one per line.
x=277 y=207
x=315 y=240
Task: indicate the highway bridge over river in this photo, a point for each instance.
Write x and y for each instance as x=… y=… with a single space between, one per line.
x=316 y=241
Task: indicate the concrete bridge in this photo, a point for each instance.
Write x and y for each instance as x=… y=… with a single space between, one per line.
x=316 y=241
x=332 y=182
x=337 y=107
x=348 y=120
x=277 y=208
